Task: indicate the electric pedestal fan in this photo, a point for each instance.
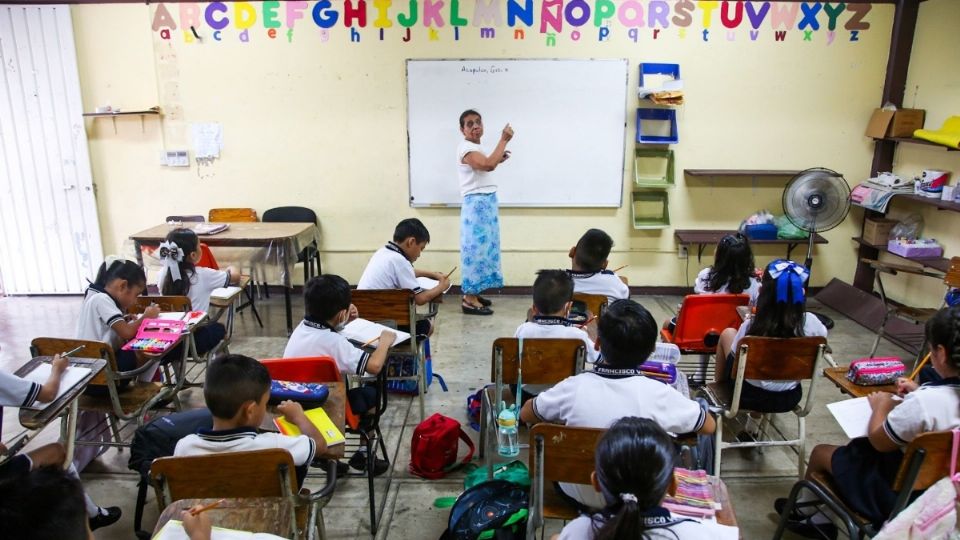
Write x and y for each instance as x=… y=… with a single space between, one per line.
x=816 y=200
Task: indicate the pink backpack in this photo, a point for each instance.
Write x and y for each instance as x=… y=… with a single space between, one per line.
x=433 y=450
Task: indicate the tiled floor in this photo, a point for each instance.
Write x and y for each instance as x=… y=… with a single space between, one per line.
x=461 y=354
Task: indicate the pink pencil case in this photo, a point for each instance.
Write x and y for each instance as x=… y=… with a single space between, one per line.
x=156 y=335
x=875 y=371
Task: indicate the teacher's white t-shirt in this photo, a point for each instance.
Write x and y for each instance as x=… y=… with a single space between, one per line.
x=471 y=180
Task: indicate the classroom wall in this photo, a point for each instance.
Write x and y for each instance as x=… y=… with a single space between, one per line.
x=320 y=121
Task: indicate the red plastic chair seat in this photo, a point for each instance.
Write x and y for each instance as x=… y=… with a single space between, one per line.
x=701 y=319
x=316 y=369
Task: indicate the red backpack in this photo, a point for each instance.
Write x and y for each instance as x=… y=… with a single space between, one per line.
x=433 y=450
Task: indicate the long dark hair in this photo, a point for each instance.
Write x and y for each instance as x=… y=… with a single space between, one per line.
x=188 y=242
x=944 y=329
x=733 y=265
x=779 y=318
x=123 y=269
x=634 y=460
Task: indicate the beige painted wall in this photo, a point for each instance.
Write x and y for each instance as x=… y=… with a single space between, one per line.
x=322 y=124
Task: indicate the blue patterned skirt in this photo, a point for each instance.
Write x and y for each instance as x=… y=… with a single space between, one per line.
x=480 y=243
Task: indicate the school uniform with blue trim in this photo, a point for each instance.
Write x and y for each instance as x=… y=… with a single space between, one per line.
x=389 y=268
x=660 y=525
x=16 y=392
x=550 y=327
x=863 y=476
x=98 y=315
x=603 y=282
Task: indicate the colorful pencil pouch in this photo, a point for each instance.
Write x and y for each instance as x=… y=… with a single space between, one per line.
x=875 y=371
x=315 y=393
x=156 y=335
x=664 y=372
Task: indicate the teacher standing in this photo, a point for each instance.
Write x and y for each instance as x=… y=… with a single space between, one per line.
x=479 y=220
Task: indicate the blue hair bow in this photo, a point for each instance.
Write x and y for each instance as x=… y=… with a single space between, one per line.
x=790 y=278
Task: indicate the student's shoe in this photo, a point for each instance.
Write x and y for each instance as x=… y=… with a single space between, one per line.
x=752 y=452
x=106 y=516
x=795 y=515
x=483 y=301
x=321 y=463
x=806 y=529
x=359 y=462
x=472 y=310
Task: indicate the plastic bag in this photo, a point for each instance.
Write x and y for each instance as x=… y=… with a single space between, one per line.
x=757 y=218
x=909 y=227
x=786 y=228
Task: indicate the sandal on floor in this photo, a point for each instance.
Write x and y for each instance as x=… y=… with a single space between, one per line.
x=473 y=310
x=483 y=301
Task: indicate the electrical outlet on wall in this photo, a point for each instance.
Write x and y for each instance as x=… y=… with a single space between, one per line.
x=682 y=252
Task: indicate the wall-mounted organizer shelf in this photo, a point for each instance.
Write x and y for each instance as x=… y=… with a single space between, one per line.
x=922 y=142
x=742 y=173
x=153 y=111
x=938 y=263
x=650 y=209
x=647 y=120
x=653 y=167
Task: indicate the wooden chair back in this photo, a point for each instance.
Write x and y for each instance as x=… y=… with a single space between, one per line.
x=180 y=304
x=594 y=303
x=258 y=473
x=952 y=278
x=568 y=452
x=936 y=453
x=780 y=359
x=545 y=361
x=48 y=346
x=395 y=305
x=233 y=215
x=702 y=318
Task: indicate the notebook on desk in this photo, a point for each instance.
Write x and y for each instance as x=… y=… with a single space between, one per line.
x=318 y=417
x=173 y=530
x=429 y=283
x=363 y=332
x=70 y=378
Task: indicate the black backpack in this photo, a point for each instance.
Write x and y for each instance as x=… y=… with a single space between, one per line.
x=495 y=509
x=157 y=439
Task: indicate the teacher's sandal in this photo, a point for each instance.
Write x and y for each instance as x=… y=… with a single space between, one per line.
x=484 y=301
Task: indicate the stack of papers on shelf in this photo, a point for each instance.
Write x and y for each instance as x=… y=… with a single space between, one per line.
x=875 y=196
x=71 y=376
x=210 y=228
x=363 y=332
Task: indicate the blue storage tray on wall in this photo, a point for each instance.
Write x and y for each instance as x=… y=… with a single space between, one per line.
x=659 y=115
x=673 y=70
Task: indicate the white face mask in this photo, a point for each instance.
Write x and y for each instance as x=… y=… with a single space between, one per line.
x=341 y=325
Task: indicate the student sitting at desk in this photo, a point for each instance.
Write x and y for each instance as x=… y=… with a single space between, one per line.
x=627 y=334
x=17 y=392
x=391 y=267
x=182 y=277
x=589 y=273
x=236 y=391
x=327 y=300
x=863 y=471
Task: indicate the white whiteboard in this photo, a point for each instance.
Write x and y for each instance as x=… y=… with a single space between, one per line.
x=569 y=117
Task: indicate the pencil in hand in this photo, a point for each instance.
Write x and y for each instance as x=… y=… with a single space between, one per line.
x=590 y=320
x=202 y=509
x=615 y=270
x=371 y=342
x=916 y=370
x=71 y=351
x=450 y=273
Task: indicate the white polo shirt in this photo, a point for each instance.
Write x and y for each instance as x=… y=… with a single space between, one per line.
x=592 y=400
x=677 y=528
x=557 y=328
x=700 y=286
x=603 y=282
x=301 y=447
x=98 y=313
x=472 y=180
x=311 y=338
x=932 y=407
x=811 y=327
x=17 y=392
x=202 y=282
x=389 y=268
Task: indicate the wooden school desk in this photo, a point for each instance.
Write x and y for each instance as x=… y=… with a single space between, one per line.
x=280 y=242
x=65 y=405
x=334 y=406
x=725 y=515
x=838 y=376
x=251 y=514
x=703 y=238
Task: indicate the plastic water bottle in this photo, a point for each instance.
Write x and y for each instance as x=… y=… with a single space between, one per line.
x=507 y=444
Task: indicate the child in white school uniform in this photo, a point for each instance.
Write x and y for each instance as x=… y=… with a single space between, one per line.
x=182 y=277
x=391 y=267
x=863 y=471
x=589 y=272
x=17 y=392
x=327 y=300
x=614 y=389
x=633 y=473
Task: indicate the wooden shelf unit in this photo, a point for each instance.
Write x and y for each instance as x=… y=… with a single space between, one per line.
x=153 y=111
x=911 y=140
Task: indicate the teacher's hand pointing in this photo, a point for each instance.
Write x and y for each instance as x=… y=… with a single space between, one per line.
x=507 y=133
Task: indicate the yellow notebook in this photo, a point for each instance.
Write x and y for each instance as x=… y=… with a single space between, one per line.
x=318 y=417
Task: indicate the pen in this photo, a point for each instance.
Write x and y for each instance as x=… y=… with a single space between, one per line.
x=590 y=320
x=210 y=506
x=72 y=351
x=450 y=272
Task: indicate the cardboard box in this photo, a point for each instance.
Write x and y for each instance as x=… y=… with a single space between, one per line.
x=876 y=231
x=901 y=123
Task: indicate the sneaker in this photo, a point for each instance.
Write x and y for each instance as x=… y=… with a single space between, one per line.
x=806 y=529
x=106 y=516
x=359 y=462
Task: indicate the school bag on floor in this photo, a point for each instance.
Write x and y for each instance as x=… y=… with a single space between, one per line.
x=433 y=449
x=156 y=439
x=495 y=509
x=406 y=366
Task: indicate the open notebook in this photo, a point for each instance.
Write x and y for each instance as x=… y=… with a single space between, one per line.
x=69 y=379
x=173 y=530
x=428 y=283
x=363 y=331
x=318 y=417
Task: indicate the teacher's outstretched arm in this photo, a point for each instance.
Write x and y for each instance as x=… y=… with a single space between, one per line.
x=500 y=154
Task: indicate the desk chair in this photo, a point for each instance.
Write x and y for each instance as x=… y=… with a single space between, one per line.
x=594 y=303
x=130 y=403
x=239 y=215
x=558 y=454
x=772 y=359
x=545 y=361
x=298 y=214
x=926 y=460
x=259 y=473
x=181 y=304
x=397 y=308
x=207 y=260
x=916 y=315
x=701 y=319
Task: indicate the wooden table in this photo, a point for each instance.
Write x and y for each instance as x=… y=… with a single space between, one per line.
x=838 y=376
x=66 y=405
x=703 y=238
x=252 y=514
x=334 y=406
x=282 y=242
